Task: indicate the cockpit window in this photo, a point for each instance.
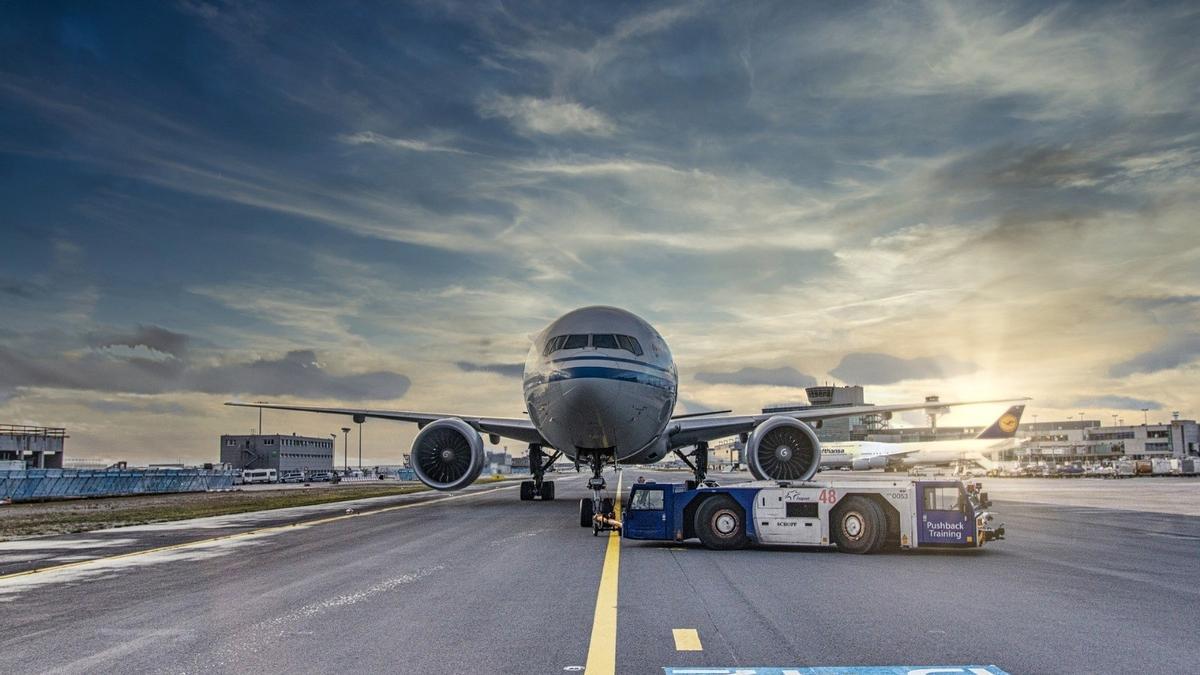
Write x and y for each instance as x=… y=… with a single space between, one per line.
x=604 y=341
x=575 y=342
x=630 y=344
x=598 y=341
x=554 y=344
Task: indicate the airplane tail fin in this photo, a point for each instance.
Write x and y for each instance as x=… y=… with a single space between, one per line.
x=1006 y=425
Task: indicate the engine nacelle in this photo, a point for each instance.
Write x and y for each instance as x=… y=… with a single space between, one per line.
x=783 y=448
x=868 y=463
x=448 y=454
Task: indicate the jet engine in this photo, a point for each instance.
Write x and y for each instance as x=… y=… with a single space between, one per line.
x=783 y=448
x=867 y=463
x=448 y=454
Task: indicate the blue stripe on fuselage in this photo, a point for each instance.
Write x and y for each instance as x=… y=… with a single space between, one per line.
x=600 y=372
x=601 y=357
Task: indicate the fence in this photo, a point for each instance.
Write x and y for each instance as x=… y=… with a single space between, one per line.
x=38 y=484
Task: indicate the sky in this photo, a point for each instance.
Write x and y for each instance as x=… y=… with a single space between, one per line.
x=377 y=204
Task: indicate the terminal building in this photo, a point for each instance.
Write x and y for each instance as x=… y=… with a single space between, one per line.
x=36 y=447
x=279 y=452
x=1088 y=440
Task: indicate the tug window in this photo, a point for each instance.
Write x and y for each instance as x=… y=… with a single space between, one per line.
x=647 y=500
x=942 y=499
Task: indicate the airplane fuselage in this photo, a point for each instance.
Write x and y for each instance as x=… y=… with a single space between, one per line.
x=835 y=454
x=600 y=379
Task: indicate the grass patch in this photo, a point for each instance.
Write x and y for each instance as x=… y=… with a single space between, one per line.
x=83 y=515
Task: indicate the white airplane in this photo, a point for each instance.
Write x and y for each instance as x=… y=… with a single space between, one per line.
x=600 y=385
x=865 y=455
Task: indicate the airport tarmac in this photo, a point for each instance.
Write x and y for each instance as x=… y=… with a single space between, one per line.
x=479 y=581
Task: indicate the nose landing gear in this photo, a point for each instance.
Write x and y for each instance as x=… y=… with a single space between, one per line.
x=597 y=511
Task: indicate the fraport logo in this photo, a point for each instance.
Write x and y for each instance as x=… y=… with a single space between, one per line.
x=845 y=670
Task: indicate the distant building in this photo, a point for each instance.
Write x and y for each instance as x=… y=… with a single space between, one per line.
x=840 y=428
x=1088 y=440
x=279 y=452
x=37 y=447
x=499 y=462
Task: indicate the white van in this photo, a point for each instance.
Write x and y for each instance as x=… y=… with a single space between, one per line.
x=259 y=476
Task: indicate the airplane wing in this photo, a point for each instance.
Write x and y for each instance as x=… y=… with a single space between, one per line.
x=690 y=431
x=517 y=428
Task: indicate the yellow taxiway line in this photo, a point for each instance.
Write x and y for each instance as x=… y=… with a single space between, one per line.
x=602 y=649
x=242 y=535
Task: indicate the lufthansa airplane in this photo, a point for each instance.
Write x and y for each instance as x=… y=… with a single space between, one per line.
x=866 y=455
x=600 y=386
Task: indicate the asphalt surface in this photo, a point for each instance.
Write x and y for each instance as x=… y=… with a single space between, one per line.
x=483 y=582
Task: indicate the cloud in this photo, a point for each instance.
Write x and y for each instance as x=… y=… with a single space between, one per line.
x=372 y=138
x=1113 y=402
x=297 y=373
x=505 y=369
x=18 y=289
x=547 y=116
x=1173 y=353
x=876 y=368
x=153 y=408
x=152 y=337
x=785 y=376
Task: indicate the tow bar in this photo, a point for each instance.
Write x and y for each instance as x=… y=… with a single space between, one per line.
x=602 y=523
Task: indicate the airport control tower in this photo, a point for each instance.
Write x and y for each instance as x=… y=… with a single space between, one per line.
x=840 y=429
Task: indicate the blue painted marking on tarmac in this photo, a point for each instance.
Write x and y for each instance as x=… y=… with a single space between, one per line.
x=841 y=670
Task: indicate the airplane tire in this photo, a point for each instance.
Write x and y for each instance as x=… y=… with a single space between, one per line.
x=859 y=525
x=526 y=490
x=548 y=491
x=721 y=524
x=606 y=505
x=585 y=513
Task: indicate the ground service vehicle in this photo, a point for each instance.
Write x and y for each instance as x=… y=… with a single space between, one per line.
x=857 y=516
x=259 y=476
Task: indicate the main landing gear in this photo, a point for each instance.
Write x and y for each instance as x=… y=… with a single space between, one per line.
x=539 y=487
x=698 y=464
x=597 y=511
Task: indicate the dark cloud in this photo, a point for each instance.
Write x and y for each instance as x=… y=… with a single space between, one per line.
x=297 y=373
x=152 y=337
x=505 y=369
x=1112 y=402
x=785 y=376
x=875 y=368
x=153 y=408
x=1161 y=301
x=18 y=289
x=1171 y=354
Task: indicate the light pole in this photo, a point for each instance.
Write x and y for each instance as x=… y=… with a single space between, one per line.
x=346 y=449
x=1144 y=417
x=1114 y=419
x=260 y=418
